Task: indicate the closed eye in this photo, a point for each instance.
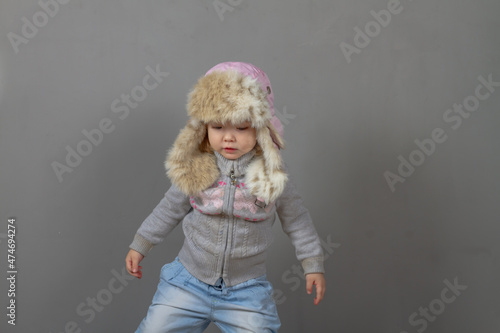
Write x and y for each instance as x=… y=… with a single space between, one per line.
x=242 y=128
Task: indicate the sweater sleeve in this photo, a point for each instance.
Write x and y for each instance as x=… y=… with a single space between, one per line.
x=297 y=224
x=171 y=210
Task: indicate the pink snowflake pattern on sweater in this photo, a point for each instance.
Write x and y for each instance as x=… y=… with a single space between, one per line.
x=245 y=206
x=241 y=202
x=211 y=200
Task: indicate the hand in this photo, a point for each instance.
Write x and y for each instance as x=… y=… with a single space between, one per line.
x=132 y=260
x=317 y=279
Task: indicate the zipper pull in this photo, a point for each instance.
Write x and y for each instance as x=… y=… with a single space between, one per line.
x=233 y=178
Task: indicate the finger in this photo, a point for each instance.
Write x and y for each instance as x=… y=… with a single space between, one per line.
x=135 y=263
x=137 y=274
x=132 y=268
x=129 y=264
x=320 y=293
x=309 y=285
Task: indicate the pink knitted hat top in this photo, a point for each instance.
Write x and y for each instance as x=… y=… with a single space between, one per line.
x=261 y=77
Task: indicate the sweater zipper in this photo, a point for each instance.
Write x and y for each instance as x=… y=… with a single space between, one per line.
x=233 y=183
x=233 y=178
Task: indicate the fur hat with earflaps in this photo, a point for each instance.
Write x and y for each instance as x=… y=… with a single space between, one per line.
x=230 y=92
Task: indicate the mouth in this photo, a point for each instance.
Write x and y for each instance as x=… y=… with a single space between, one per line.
x=229 y=149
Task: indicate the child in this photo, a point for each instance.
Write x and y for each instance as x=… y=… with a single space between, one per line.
x=228 y=183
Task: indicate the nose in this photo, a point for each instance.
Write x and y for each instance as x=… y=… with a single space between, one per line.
x=228 y=135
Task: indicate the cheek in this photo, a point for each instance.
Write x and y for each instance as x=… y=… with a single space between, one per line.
x=211 y=140
x=254 y=136
x=212 y=136
x=250 y=139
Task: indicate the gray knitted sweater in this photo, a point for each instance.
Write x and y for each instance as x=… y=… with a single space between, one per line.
x=228 y=230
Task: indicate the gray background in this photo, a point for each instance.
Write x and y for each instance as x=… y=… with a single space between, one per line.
x=345 y=124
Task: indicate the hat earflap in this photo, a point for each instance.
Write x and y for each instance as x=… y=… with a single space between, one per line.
x=187 y=167
x=265 y=176
x=276 y=137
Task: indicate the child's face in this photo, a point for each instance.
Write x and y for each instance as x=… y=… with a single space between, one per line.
x=241 y=138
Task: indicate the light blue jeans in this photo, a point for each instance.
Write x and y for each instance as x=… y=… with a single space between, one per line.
x=182 y=303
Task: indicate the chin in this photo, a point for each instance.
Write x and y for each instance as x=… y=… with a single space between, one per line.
x=229 y=156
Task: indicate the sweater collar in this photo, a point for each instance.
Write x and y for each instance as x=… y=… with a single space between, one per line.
x=239 y=165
